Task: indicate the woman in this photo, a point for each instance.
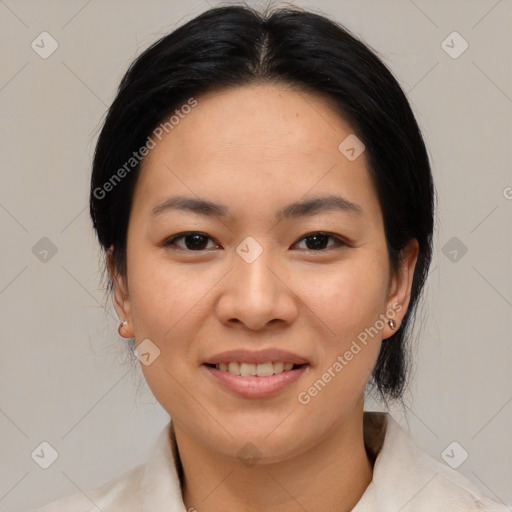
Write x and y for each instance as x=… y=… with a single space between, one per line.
x=265 y=202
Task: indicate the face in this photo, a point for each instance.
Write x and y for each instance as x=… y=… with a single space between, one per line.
x=257 y=277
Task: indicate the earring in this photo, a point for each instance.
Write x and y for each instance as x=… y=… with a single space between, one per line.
x=392 y=324
x=121 y=325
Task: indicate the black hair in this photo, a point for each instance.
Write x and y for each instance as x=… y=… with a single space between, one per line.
x=237 y=45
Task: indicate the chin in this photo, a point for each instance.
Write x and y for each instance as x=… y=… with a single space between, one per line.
x=275 y=440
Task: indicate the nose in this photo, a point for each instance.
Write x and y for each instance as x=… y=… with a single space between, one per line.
x=256 y=294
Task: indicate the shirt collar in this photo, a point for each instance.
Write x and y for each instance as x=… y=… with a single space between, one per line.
x=161 y=484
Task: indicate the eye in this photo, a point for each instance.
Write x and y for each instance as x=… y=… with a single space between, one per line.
x=316 y=241
x=193 y=241
x=196 y=241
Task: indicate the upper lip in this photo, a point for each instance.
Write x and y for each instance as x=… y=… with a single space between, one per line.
x=256 y=356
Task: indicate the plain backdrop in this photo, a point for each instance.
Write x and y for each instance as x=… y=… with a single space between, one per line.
x=65 y=375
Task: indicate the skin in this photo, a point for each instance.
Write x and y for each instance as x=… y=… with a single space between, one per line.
x=256 y=149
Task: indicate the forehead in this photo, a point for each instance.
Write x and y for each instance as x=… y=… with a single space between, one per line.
x=276 y=116
x=265 y=144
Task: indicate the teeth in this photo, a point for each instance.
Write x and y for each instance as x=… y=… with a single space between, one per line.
x=264 y=370
x=279 y=367
x=247 y=369
x=251 y=369
x=234 y=368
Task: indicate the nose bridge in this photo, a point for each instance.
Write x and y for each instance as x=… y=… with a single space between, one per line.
x=256 y=283
x=257 y=293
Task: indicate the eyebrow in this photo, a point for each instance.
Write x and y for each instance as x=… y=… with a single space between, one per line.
x=294 y=210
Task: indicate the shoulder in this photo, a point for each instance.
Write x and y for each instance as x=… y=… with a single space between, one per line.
x=147 y=486
x=405 y=476
x=124 y=490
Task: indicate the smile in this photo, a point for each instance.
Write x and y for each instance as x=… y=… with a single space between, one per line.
x=253 y=370
x=250 y=380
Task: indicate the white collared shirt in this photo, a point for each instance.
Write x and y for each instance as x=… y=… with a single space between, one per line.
x=405 y=479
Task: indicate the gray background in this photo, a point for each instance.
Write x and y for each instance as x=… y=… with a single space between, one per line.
x=65 y=377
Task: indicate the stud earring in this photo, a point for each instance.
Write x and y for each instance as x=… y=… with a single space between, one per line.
x=392 y=324
x=121 y=325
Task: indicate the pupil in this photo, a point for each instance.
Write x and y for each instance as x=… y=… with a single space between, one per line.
x=318 y=241
x=199 y=241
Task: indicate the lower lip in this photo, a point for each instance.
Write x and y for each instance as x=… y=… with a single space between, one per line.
x=256 y=387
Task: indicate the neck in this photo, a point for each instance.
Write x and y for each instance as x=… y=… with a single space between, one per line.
x=331 y=475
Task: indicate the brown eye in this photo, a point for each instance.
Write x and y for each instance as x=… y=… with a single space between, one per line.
x=318 y=241
x=191 y=241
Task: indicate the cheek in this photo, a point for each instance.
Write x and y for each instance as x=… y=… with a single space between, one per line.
x=348 y=304
x=162 y=294
x=167 y=309
x=351 y=296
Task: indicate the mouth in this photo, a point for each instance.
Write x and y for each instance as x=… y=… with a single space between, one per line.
x=251 y=380
x=261 y=370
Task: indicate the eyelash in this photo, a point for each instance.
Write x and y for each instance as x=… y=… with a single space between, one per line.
x=339 y=242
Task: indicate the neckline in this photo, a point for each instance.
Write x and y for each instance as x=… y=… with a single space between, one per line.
x=374 y=433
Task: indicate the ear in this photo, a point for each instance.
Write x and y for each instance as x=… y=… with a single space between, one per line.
x=121 y=297
x=400 y=287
